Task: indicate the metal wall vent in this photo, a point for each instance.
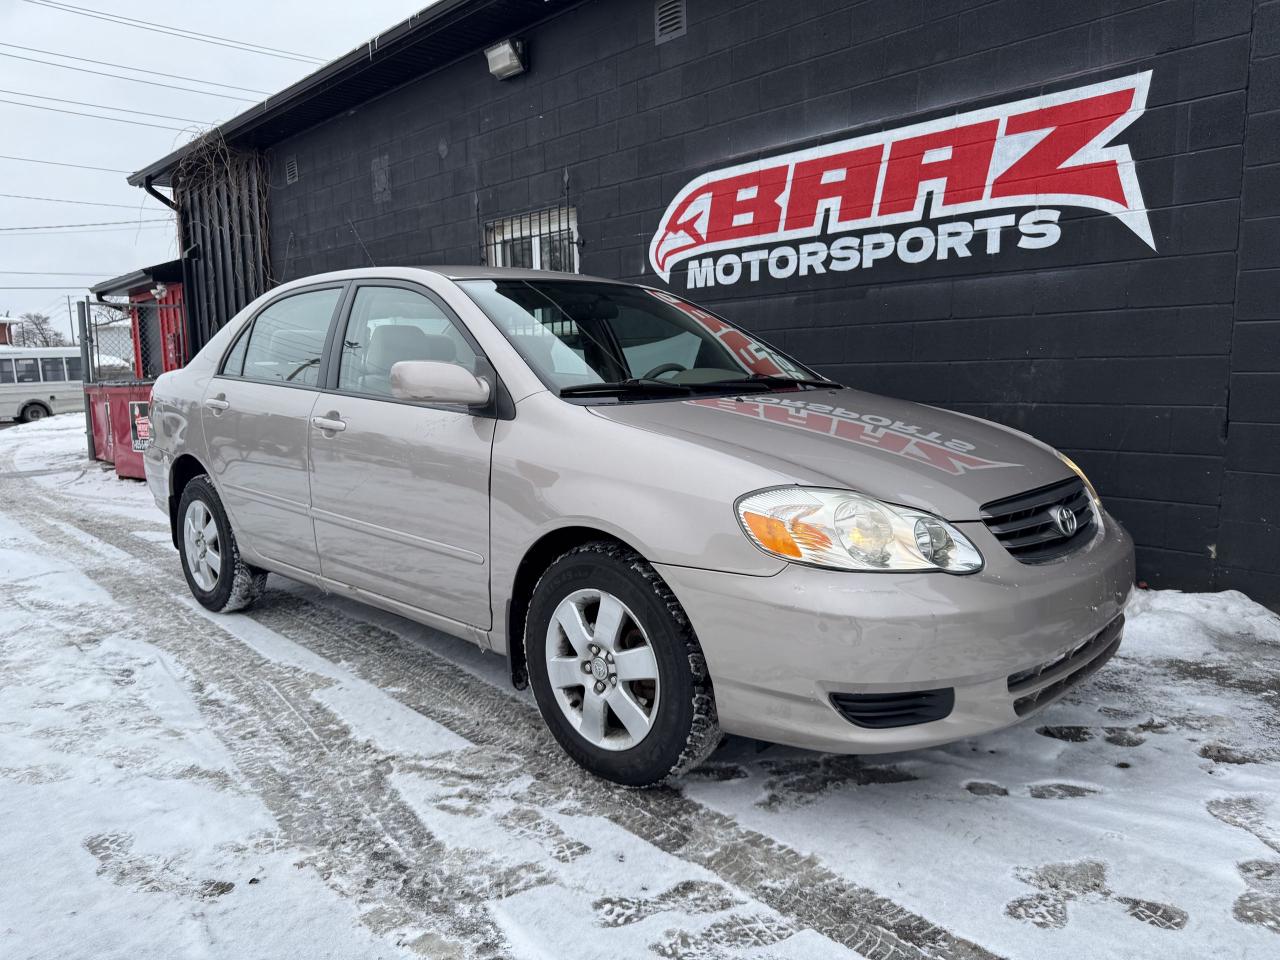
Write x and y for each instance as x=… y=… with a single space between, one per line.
x=668 y=20
x=291 y=170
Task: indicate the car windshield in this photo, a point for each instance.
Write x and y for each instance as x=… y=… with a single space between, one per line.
x=584 y=338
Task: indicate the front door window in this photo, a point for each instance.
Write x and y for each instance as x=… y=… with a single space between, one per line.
x=391 y=324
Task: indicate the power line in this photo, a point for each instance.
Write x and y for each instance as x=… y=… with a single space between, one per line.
x=103 y=106
x=53 y=273
x=177 y=32
x=116 y=76
x=79 y=286
x=95 y=116
x=132 y=69
x=100 y=223
x=79 y=233
x=60 y=163
x=82 y=203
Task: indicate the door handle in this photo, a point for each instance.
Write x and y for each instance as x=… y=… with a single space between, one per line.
x=329 y=424
x=217 y=404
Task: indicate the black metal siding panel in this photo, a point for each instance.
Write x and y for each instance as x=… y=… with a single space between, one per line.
x=222 y=213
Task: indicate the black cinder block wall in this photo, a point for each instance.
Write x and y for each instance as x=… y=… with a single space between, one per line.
x=1156 y=366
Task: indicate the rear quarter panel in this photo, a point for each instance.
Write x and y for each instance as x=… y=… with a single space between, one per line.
x=176 y=406
x=68 y=397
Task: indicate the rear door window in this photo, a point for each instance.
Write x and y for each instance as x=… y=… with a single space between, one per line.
x=233 y=366
x=287 y=339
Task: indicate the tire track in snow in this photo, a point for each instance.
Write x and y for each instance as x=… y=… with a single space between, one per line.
x=328 y=791
x=356 y=794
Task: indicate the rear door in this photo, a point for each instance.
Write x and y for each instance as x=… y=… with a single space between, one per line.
x=53 y=372
x=257 y=423
x=9 y=406
x=400 y=490
x=30 y=386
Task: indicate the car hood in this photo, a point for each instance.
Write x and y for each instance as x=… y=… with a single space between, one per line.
x=907 y=453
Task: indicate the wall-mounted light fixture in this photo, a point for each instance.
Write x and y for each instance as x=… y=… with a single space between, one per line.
x=507 y=59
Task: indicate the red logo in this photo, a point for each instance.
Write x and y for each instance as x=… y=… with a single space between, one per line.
x=1048 y=151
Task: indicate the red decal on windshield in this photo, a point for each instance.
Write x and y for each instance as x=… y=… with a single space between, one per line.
x=753 y=355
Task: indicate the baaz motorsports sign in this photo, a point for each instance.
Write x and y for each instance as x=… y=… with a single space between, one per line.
x=945 y=188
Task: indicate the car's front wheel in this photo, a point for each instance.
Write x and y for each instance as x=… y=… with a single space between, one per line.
x=616 y=669
x=216 y=573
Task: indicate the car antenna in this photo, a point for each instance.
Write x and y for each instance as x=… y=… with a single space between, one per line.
x=372 y=262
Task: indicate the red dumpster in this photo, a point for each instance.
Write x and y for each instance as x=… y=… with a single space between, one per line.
x=95 y=397
x=130 y=413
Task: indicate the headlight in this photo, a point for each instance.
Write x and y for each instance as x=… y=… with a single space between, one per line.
x=1075 y=468
x=848 y=531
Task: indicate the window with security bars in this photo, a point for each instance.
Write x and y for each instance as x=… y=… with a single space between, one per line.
x=539 y=240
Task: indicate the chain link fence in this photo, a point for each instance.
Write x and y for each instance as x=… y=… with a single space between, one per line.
x=128 y=342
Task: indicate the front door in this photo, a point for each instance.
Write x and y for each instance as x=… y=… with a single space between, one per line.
x=257 y=424
x=400 y=490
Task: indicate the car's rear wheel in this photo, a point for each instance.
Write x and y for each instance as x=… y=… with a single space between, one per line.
x=33 y=411
x=216 y=573
x=616 y=668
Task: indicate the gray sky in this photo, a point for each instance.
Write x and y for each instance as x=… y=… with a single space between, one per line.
x=321 y=28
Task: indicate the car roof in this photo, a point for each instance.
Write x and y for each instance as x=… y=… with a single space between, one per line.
x=449 y=272
x=510 y=273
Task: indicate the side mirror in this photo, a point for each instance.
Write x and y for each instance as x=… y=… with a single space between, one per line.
x=434 y=382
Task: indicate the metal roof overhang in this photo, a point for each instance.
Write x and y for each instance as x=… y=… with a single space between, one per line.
x=427 y=41
x=168 y=272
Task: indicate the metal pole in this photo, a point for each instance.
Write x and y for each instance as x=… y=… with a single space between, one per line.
x=86 y=373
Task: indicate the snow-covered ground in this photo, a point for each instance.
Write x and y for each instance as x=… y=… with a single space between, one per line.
x=316 y=779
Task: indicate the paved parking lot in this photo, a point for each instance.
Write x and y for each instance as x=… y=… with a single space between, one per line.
x=319 y=779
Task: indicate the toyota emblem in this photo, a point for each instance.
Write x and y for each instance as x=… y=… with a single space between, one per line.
x=1064 y=519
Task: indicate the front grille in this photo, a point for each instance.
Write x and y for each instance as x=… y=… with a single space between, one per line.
x=1048 y=681
x=880 y=711
x=1025 y=524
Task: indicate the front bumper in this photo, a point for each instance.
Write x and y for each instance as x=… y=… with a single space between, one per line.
x=778 y=647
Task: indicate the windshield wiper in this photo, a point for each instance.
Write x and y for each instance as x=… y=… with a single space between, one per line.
x=639 y=385
x=644 y=385
x=768 y=380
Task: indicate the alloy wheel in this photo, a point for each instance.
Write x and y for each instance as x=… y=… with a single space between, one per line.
x=602 y=669
x=202 y=544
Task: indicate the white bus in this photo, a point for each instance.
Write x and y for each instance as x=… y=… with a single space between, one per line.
x=37 y=382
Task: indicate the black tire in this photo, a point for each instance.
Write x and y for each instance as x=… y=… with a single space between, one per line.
x=34 y=411
x=684 y=728
x=238 y=584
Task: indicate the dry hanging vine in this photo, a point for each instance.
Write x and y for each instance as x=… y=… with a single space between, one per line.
x=221 y=194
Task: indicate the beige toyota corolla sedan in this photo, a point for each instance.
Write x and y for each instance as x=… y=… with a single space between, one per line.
x=668 y=527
